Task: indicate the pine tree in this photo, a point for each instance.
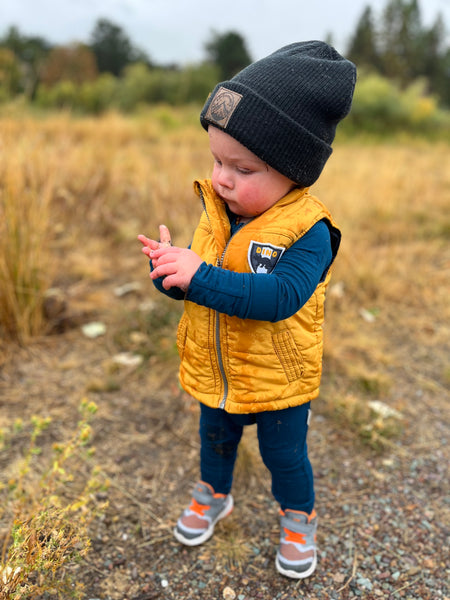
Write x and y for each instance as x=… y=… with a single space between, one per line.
x=363 y=45
x=228 y=52
x=400 y=40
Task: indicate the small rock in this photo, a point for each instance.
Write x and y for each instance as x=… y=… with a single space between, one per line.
x=337 y=290
x=127 y=288
x=55 y=303
x=147 y=306
x=229 y=594
x=128 y=359
x=365 y=583
x=368 y=316
x=94 y=329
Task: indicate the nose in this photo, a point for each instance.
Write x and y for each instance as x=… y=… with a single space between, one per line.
x=223 y=177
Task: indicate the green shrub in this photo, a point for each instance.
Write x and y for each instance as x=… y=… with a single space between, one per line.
x=139 y=85
x=382 y=107
x=98 y=96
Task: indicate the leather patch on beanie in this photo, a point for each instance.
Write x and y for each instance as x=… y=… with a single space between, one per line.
x=223 y=106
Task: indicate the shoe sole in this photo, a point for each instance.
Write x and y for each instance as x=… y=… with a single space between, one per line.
x=296 y=574
x=209 y=532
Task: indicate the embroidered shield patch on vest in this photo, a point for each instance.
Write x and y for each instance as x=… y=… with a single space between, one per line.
x=262 y=258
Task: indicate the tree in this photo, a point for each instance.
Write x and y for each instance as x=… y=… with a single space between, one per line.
x=435 y=57
x=400 y=39
x=31 y=53
x=75 y=63
x=9 y=74
x=363 y=45
x=113 y=48
x=228 y=52
x=401 y=48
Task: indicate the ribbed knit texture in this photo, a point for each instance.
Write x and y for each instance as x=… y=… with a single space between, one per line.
x=285 y=107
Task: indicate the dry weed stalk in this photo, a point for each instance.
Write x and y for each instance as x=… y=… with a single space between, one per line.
x=44 y=524
x=25 y=261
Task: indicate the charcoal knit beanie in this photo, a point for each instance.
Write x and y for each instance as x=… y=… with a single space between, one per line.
x=284 y=108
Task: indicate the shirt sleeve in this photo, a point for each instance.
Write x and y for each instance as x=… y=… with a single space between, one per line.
x=267 y=297
x=175 y=293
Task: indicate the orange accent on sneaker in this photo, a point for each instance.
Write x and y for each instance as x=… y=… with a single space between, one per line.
x=200 y=509
x=293 y=536
x=300 y=512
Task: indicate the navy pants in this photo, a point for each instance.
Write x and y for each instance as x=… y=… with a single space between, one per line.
x=282 y=443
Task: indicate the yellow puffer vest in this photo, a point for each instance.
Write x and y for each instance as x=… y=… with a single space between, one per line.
x=243 y=365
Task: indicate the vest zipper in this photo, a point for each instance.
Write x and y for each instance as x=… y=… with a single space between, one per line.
x=220 y=361
x=217 y=315
x=218 y=348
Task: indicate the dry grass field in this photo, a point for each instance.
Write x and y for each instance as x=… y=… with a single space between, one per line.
x=74 y=194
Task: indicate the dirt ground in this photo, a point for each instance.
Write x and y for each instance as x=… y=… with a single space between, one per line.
x=382 y=513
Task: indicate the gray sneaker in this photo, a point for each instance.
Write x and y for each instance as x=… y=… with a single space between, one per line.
x=196 y=524
x=297 y=555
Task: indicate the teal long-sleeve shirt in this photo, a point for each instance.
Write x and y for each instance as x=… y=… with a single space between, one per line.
x=266 y=297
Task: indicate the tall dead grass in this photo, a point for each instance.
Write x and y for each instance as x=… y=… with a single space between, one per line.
x=74 y=193
x=392 y=202
x=388 y=313
x=25 y=216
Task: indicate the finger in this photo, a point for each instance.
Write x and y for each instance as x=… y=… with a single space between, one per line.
x=162 y=270
x=147 y=242
x=148 y=251
x=166 y=283
x=164 y=236
x=170 y=251
x=143 y=239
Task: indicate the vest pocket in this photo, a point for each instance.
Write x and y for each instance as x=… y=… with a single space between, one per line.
x=181 y=335
x=288 y=354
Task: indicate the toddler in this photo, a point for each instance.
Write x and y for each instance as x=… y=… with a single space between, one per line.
x=253 y=283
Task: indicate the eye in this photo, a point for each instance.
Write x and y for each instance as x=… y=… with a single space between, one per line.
x=244 y=171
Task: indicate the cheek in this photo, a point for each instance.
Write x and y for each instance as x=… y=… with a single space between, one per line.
x=247 y=192
x=253 y=197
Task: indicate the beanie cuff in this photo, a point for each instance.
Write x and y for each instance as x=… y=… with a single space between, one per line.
x=269 y=133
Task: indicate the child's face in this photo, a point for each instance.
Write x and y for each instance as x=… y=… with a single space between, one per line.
x=246 y=183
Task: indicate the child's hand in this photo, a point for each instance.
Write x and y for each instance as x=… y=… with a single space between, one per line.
x=176 y=265
x=150 y=245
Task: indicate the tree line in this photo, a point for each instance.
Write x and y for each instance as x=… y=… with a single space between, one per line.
x=398 y=46
x=109 y=70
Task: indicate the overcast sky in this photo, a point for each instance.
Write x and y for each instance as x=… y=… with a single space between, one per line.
x=175 y=31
